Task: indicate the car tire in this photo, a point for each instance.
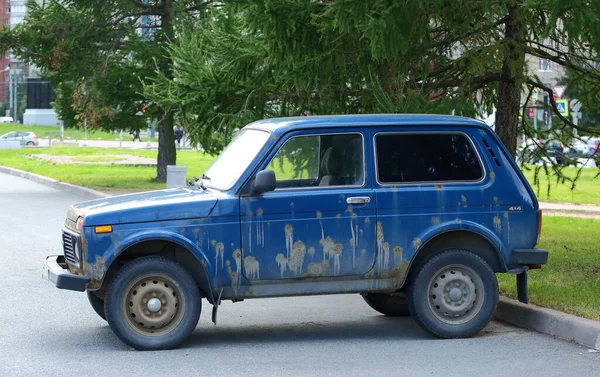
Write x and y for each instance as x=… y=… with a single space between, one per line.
x=30 y=143
x=454 y=294
x=391 y=306
x=97 y=304
x=152 y=303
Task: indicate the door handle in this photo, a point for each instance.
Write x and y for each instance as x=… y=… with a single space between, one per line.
x=358 y=200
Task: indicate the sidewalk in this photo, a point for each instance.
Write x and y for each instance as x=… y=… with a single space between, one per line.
x=570 y=210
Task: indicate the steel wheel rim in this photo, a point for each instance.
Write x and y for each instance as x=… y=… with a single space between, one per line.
x=153 y=305
x=455 y=294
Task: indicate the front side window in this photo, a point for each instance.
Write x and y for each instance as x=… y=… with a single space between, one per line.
x=405 y=158
x=319 y=161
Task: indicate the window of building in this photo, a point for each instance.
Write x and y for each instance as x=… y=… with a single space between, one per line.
x=18 y=9
x=319 y=160
x=16 y=20
x=426 y=157
x=545 y=65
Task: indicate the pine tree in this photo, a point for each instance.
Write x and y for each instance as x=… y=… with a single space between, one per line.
x=98 y=53
x=260 y=58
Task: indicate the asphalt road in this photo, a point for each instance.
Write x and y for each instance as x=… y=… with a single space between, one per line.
x=51 y=332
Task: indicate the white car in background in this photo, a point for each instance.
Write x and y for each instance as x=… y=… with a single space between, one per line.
x=24 y=138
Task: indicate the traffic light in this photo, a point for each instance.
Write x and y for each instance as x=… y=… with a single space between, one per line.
x=531 y=112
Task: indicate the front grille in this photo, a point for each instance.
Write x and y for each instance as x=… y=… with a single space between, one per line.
x=69 y=242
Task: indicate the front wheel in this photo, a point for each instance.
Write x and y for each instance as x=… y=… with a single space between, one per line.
x=454 y=294
x=152 y=303
x=97 y=304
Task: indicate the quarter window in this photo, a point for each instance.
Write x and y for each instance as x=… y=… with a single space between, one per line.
x=403 y=158
x=319 y=161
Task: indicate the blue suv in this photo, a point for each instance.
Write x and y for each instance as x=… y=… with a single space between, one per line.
x=414 y=212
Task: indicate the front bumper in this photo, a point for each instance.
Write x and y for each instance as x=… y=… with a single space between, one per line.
x=59 y=274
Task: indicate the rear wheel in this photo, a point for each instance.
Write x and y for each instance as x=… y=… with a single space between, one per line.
x=454 y=294
x=97 y=304
x=30 y=143
x=392 y=306
x=152 y=303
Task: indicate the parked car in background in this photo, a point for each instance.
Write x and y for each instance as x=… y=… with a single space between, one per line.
x=575 y=149
x=554 y=149
x=25 y=138
x=593 y=147
x=6 y=120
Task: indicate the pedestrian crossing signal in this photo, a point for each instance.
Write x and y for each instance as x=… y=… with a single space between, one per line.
x=562 y=107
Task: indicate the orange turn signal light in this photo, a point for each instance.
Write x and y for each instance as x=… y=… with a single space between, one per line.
x=104 y=229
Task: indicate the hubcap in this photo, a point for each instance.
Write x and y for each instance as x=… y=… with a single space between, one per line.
x=455 y=294
x=153 y=305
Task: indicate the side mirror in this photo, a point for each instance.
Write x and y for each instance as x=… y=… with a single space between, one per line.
x=264 y=181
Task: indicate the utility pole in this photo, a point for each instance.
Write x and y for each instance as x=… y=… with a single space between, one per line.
x=10 y=93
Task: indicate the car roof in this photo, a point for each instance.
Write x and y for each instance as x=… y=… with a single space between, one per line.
x=280 y=126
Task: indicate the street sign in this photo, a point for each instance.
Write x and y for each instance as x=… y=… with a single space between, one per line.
x=562 y=105
x=559 y=90
x=575 y=105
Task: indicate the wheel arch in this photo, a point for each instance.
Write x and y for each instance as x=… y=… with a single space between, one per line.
x=466 y=239
x=174 y=249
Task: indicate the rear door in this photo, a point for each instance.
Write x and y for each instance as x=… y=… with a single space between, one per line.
x=424 y=180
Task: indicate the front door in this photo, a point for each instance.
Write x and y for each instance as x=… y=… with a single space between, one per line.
x=320 y=220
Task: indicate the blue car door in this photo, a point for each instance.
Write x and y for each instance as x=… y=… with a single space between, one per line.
x=320 y=220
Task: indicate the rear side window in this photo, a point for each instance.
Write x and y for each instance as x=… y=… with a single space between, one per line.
x=404 y=157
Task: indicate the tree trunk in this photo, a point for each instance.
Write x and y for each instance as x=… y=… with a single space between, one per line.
x=167 y=153
x=511 y=79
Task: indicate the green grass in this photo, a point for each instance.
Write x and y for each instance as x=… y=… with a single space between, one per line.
x=570 y=282
x=70 y=133
x=587 y=188
x=101 y=177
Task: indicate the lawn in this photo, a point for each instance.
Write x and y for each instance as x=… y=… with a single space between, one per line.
x=570 y=282
x=587 y=188
x=70 y=133
x=116 y=178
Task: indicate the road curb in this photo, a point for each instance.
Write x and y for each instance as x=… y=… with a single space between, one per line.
x=53 y=182
x=549 y=321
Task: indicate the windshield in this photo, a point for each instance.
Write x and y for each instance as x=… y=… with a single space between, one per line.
x=235 y=159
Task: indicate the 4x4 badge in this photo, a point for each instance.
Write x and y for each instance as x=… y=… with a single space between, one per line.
x=515 y=208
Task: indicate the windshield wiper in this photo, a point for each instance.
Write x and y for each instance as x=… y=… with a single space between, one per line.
x=192 y=182
x=202 y=178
